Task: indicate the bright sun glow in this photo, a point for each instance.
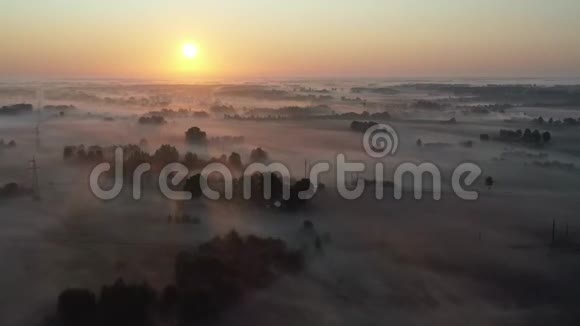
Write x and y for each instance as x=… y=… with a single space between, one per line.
x=190 y=51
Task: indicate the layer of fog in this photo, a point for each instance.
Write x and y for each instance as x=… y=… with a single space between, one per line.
x=400 y=262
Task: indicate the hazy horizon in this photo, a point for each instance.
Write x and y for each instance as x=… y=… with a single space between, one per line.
x=302 y=39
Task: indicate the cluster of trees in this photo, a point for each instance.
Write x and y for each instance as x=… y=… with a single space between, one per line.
x=208 y=281
x=564 y=122
x=258 y=183
x=134 y=156
x=527 y=136
x=80 y=153
x=9 y=144
x=356 y=100
x=152 y=101
x=170 y=113
x=362 y=126
x=155 y=120
x=16 y=109
x=196 y=136
x=11 y=189
x=222 y=109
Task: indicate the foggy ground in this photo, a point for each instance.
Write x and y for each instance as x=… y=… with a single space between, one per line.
x=402 y=262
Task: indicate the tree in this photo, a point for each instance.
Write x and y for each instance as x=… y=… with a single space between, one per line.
x=546 y=136
x=196 y=136
x=489 y=182
x=81 y=153
x=536 y=136
x=95 y=153
x=9 y=190
x=193 y=185
x=258 y=155
x=190 y=160
x=68 y=152
x=235 y=161
x=166 y=154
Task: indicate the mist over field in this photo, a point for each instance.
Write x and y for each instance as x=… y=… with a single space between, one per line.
x=507 y=258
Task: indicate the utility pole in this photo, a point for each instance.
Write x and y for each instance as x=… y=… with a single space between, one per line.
x=35 y=185
x=37 y=136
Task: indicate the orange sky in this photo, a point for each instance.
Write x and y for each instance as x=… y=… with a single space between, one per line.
x=300 y=38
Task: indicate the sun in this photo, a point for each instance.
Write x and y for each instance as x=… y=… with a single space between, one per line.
x=190 y=50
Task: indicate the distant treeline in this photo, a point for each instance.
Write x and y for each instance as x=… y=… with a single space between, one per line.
x=290 y=111
x=16 y=109
x=80 y=153
x=268 y=93
x=83 y=96
x=154 y=120
x=563 y=122
x=527 y=136
x=335 y=116
x=169 y=113
x=485 y=109
x=375 y=90
x=531 y=95
x=133 y=155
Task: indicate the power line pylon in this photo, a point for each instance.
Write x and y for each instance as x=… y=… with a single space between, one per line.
x=35 y=185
